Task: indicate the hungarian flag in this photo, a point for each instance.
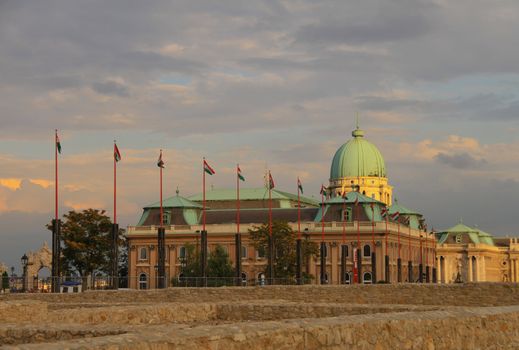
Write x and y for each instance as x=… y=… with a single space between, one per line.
x=240 y=176
x=271 y=182
x=323 y=190
x=395 y=216
x=160 y=162
x=117 y=154
x=208 y=169
x=58 y=144
x=384 y=212
x=299 y=185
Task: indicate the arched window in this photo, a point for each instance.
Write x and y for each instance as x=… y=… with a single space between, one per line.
x=367 y=278
x=367 y=251
x=364 y=192
x=347 y=279
x=143 y=281
x=243 y=252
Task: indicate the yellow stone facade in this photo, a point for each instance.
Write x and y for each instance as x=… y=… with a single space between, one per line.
x=478 y=262
x=374 y=187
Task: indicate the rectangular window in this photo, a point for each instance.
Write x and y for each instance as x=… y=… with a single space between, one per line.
x=261 y=253
x=243 y=252
x=143 y=253
x=346 y=215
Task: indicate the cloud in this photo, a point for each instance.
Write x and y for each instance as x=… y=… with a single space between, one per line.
x=12 y=184
x=460 y=161
x=111 y=87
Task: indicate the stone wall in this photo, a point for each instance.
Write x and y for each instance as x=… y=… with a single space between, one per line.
x=472 y=294
x=277 y=317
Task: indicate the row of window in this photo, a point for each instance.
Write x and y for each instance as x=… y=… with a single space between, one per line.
x=367 y=278
x=182 y=253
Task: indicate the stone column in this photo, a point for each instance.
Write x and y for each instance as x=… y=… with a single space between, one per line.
x=446 y=269
x=439 y=269
x=483 y=270
x=470 y=269
x=515 y=270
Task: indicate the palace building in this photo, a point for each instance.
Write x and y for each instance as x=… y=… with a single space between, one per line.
x=352 y=218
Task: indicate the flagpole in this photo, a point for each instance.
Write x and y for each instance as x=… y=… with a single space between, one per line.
x=270 y=206
x=343 y=219
x=56 y=173
x=298 y=210
x=115 y=186
x=271 y=242
x=387 y=271
x=323 y=245
x=359 y=256
x=203 y=199
x=322 y=213
x=161 y=208
x=237 y=199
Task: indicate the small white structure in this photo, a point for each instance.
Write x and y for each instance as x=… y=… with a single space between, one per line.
x=70 y=287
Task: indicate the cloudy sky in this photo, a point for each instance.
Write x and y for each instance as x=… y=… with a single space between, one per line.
x=264 y=83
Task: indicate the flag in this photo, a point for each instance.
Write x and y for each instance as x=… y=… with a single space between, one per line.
x=356 y=200
x=406 y=221
x=208 y=169
x=395 y=216
x=271 y=181
x=299 y=185
x=240 y=176
x=58 y=144
x=323 y=190
x=160 y=162
x=384 y=212
x=117 y=154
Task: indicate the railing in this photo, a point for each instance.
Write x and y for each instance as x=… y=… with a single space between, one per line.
x=307 y=226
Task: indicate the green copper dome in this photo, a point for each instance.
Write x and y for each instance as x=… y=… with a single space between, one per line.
x=357 y=157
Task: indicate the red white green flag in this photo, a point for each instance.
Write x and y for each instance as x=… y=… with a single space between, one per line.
x=240 y=176
x=323 y=190
x=58 y=144
x=208 y=169
x=384 y=212
x=271 y=182
x=160 y=162
x=117 y=154
x=299 y=185
x=395 y=216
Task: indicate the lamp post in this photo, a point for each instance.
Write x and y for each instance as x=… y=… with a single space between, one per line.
x=25 y=261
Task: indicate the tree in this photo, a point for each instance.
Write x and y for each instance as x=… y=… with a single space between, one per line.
x=123 y=265
x=5 y=281
x=218 y=264
x=284 y=247
x=219 y=268
x=86 y=242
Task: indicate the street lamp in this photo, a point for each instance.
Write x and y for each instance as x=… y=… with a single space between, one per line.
x=25 y=261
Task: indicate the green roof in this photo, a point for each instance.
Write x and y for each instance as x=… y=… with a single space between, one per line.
x=350 y=198
x=401 y=209
x=251 y=194
x=175 y=202
x=357 y=157
x=475 y=235
x=460 y=228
